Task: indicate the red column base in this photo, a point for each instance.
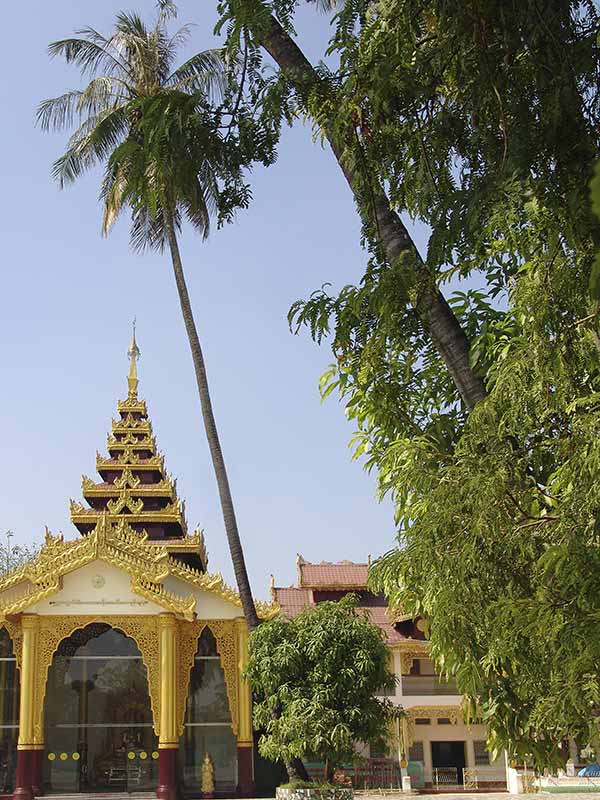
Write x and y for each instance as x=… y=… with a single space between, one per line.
x=37 y=782
x=167 y=774
x=26 y=760
x=246 y=787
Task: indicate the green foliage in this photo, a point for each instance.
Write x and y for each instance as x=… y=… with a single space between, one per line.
x=482 y=121
x=314 y=680
x=174 y=141
x=498 y=542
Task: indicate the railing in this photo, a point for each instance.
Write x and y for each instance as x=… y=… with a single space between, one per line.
x=368 y=773
x=377 y=773
x=445 y=776
x=427 y=684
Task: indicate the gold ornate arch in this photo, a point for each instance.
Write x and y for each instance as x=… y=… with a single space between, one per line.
x=225 y=635
x=54 y=629
x=14 y=631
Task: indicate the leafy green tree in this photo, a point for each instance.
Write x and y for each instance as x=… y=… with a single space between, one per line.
x=303 y=90
x=169 y=156
x=481 y=120
x=315 y=679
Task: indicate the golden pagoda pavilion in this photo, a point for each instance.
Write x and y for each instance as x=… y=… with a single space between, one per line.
x=121 y=656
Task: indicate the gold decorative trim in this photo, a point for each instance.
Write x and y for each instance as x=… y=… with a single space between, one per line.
x=128 y=459
x=133 y=406
x=243 y=687
x=395 y=615
x=127 y=480
x=224 y=632
x=184 y=607
x=410 y=649
x=117 y=544
x=130 y=441
x=129 y=423
x=53 y=629
x=125 y=500
x=168 y=735
x=453 y=713
x=144 y=630
x=169 y=514
x=31 y=699
x=16 y=634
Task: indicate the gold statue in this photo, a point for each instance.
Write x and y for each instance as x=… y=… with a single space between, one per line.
x=208 y=776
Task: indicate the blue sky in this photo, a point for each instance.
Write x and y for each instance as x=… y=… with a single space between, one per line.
x=65 y=321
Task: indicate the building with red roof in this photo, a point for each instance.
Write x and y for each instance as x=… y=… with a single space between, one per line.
x=432 y=744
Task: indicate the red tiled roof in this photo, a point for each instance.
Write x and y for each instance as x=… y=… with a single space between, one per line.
x=379 y=616
x=344 y=574
x=293 y=600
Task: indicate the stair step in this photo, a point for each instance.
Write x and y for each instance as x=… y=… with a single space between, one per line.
x=105 y=796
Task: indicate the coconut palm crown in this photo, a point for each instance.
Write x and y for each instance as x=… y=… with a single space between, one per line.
x=155 y=128
x=157 y=131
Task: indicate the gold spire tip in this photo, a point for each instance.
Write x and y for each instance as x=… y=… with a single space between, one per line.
x=132 y=379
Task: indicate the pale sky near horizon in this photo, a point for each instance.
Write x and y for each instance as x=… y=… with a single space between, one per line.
x=65 y=323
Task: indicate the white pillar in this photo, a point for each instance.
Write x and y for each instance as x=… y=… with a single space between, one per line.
x=427 y=761
x=470 y=752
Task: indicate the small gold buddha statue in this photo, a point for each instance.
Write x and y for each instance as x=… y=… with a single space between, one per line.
x=208 y=777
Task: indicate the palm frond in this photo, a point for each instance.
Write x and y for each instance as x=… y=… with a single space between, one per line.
x=167 y=9
x=148 y=232
x=90 y=56
x=325 y=6
x=92 y=143
x=152 y=127
x=129 y=23
x=204 y=72
x=180 y=37
x=114 y=192
x=101 y=94
x=58 y=112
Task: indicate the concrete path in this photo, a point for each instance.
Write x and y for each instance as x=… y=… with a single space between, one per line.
x=485 y=796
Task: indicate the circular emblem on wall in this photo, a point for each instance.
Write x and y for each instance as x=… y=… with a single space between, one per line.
x=98 y=581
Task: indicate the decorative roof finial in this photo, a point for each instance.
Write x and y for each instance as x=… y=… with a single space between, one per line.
x=133 y=354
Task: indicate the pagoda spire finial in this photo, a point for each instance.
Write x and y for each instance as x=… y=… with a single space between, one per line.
x=133 y=354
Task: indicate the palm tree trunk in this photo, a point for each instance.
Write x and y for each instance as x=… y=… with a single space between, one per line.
x=210 y=426
x=437 y=317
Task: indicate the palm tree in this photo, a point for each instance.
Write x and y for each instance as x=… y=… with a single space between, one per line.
x=156 y=132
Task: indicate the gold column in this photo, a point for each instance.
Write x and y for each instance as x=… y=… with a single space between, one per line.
x=30 y=734
x=168 y=734
x=245 y=738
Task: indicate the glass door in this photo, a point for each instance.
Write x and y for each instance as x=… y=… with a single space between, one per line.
x=99 y=734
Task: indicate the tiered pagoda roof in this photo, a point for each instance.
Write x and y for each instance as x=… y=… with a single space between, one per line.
x=134 y=486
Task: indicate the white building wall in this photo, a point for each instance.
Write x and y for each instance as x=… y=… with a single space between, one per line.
x=434 y=731
x=96 y=588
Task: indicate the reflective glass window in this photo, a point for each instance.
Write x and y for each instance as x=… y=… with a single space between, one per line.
x=9 y=713
x=208 y=722
x=99 y=734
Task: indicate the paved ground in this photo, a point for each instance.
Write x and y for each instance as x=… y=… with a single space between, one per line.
x=487 y=796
